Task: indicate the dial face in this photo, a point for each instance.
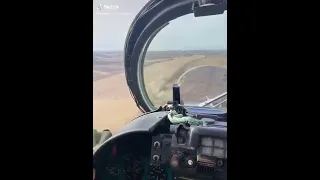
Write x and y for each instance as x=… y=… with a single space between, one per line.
x=213 y=147
x=133 y=167
x=207 y=141
x=219 y=143
x=217 y=152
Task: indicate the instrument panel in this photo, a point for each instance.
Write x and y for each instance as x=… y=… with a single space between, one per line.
x=207 y=160
x=174 y=152
x=126 y=168
x=210 y=146
x=126 y=159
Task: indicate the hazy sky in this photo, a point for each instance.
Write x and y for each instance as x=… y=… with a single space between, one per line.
x=110 y=26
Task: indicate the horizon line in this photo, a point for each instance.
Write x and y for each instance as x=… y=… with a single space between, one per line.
x=164 y=50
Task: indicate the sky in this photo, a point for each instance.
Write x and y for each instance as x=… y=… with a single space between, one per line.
x=112 y=21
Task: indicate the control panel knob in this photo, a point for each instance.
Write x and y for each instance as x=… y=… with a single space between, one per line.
x=156 y=144
x=175 y=160
x=190 y=162
x=156 y=158
x=220 y=162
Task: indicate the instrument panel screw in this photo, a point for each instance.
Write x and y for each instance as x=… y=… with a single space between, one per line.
x=190 y=162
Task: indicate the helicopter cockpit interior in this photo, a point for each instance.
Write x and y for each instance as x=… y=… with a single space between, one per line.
x=182 y=133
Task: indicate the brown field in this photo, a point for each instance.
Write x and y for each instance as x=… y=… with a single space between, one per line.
x=160 y=77
x=114 y=107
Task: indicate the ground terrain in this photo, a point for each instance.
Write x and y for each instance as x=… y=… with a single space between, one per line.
x=113 y=105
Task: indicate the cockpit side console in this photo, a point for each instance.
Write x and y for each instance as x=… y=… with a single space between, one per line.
x=190 y=152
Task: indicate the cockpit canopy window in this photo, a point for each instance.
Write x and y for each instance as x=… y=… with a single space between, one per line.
x=192 y=52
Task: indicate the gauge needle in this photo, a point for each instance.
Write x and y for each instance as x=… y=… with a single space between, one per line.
x=94 y=173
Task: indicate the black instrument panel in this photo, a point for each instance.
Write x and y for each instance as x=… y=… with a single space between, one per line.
x=125 y=158
x=165 y=153
x=191 y=152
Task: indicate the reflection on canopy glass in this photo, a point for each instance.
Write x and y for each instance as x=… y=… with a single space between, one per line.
x=190 y=51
